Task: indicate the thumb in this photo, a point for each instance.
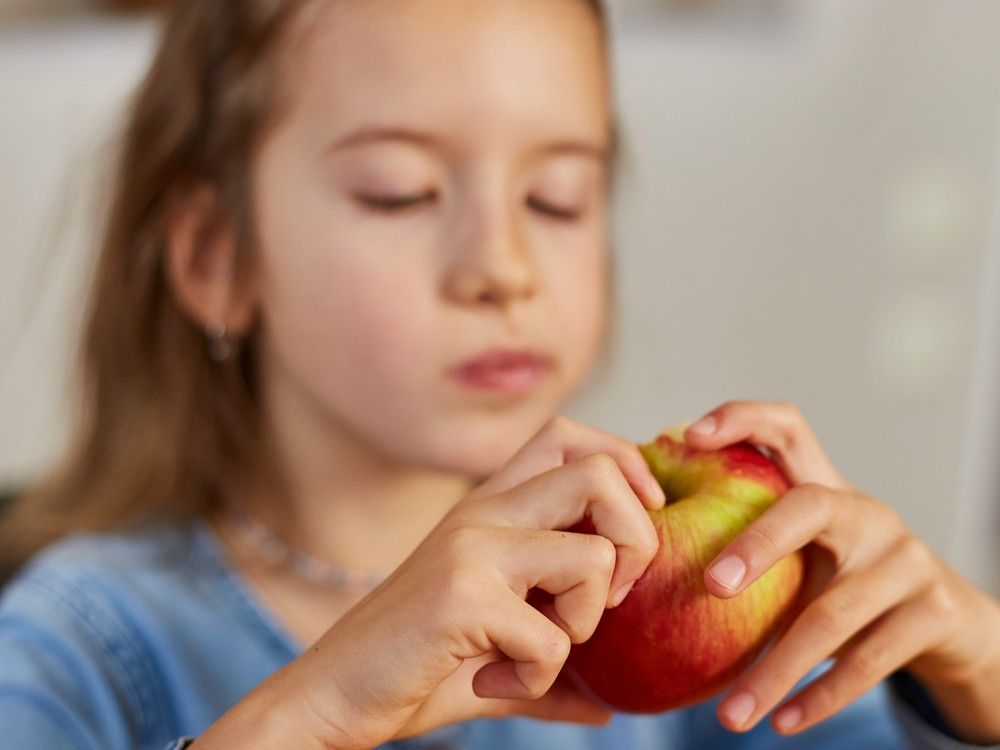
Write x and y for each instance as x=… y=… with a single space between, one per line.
x=561 y=703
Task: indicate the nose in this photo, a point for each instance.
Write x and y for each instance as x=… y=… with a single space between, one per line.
x=490 y=263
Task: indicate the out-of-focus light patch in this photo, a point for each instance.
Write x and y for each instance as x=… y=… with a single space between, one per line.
x=930 y=218
x=916 y=340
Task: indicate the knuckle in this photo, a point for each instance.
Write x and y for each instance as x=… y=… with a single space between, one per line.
x=787 y=440
x=537 y=689
x=888 y=518
x=461 y=514
x=791 y=411
x=602 y=552
x=578 y=632
x=725 y=410
x=942 y=601
x=459 y=586
x=763 y=539
x=600 y=468
x=461 y=543
x=915 y=552
x=866 y=665
x=811 y=489
x=822 y=697
x=829 y=614
x=540 y=686
x=650 y=543
x=791 y=422
x=558 y=425
x=826 y=501
x=554 y=646
x=633 y=452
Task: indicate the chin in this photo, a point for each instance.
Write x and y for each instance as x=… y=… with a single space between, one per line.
x=478 y=448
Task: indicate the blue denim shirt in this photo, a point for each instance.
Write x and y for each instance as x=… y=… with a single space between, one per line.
x=143 y=639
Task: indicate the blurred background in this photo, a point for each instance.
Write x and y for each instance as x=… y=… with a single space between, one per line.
x=809 y=212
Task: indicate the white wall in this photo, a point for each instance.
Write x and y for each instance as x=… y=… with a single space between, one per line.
x=62 y=88
x=807 y=220
x=805 y=216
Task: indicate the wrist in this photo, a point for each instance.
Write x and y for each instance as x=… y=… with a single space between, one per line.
x=269 y=716
x=967 y=700
x=311 y=691
x=272 y=715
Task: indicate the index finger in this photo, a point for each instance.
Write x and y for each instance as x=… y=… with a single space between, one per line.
x=780 y=427
x=803 y=514
x=591 y=488
x=564 y=440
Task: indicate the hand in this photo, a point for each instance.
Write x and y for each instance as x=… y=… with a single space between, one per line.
x=449 y=635
x=878 y=599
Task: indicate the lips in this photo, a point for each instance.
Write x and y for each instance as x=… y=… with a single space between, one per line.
x=509 y=371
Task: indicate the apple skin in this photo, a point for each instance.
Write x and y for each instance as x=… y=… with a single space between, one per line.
x=670 y=643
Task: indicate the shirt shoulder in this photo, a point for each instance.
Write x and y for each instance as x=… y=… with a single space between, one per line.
x=126 y=560
x=74 y=643
x=110 y=588
x=133 y=636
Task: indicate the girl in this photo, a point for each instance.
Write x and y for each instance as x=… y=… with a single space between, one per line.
x=318 y=531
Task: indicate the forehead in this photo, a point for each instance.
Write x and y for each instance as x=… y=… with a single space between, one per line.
x=484 y=68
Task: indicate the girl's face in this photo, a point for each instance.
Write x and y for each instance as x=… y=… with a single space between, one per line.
x=436 y=192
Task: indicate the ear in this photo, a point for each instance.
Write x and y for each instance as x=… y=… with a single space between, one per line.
x=200 y=255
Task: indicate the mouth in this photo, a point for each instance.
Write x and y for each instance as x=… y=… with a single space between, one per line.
x=506 y=371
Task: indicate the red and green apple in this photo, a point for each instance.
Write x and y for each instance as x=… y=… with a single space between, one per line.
x=671 y=643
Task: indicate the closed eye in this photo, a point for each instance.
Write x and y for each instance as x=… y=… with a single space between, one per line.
x=561 y=214
x=399 y=203
x=394 y=203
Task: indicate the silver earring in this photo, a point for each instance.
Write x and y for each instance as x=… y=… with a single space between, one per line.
x=219 y=347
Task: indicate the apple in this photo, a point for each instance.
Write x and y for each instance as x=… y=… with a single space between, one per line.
x=670 y=643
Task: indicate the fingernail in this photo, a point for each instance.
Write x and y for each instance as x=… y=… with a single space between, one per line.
x=704 y=426
x=728 y=571
x=621 y=593
x=788 y=718
x=738 y=708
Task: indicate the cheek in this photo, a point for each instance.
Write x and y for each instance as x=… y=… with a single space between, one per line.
x=354 y=332
x=357 y=347
x=577 y=294
x=344 y=316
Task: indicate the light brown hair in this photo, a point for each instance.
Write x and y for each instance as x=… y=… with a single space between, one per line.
x=163 y=429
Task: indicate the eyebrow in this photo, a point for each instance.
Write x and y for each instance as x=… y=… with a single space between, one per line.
x=365 y=136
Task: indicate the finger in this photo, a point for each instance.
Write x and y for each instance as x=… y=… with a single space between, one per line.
x=823 y=626
x=575 y=568
x=851 y=527
x=805 y=513
x=561 y=703
x=563 y=440
x=779 y=427
x=593 y=488
x=900 y=636
x=535 y=646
